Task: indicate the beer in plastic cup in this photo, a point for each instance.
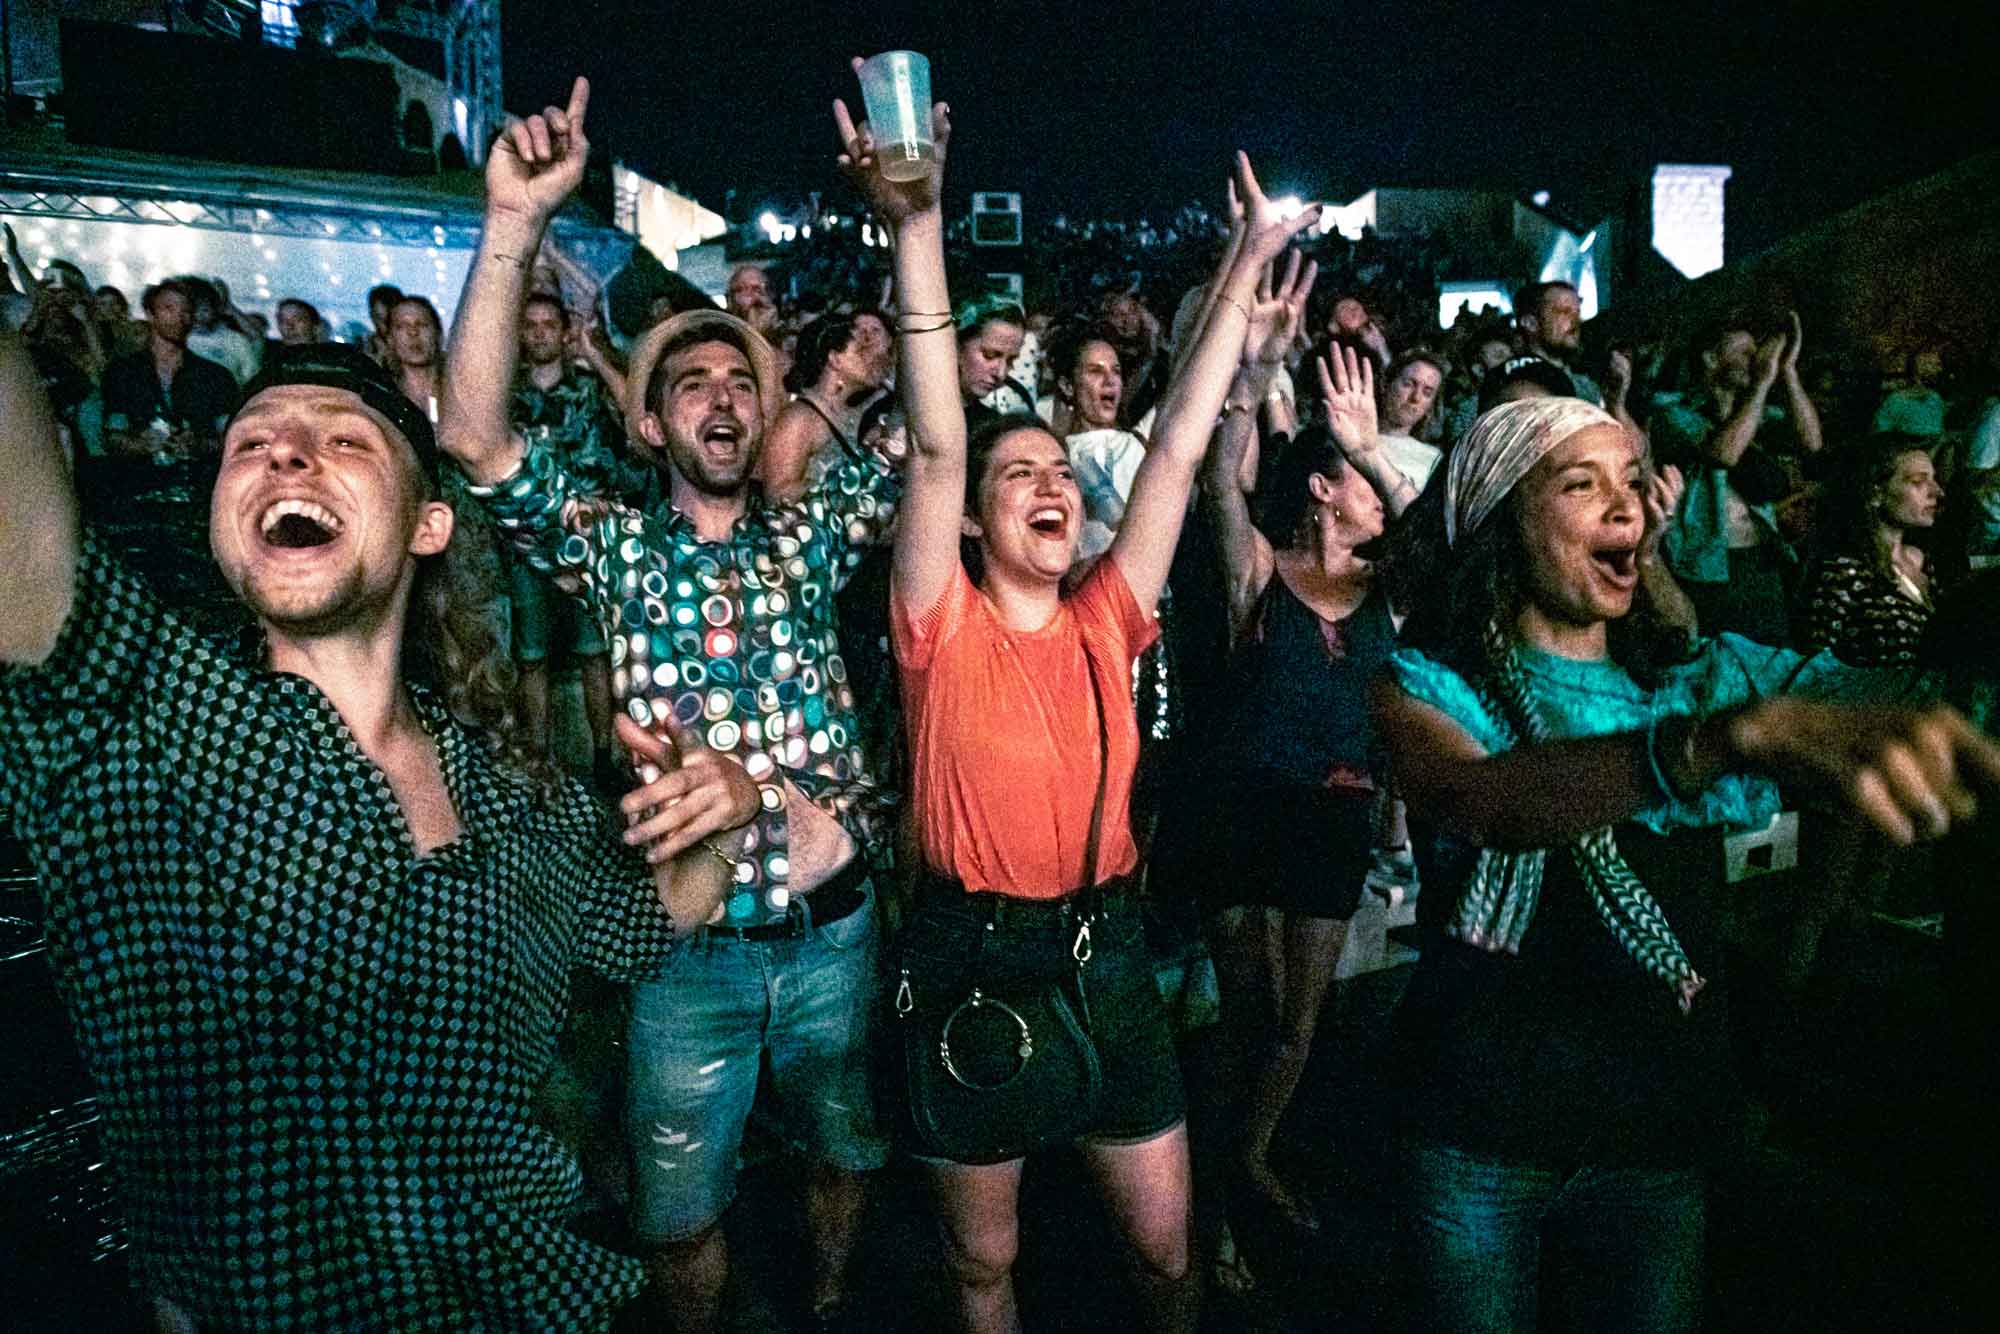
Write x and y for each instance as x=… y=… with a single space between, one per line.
x=896 y=86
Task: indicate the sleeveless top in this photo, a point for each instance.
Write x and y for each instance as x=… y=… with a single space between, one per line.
x=832 y=454
x=1294 y=698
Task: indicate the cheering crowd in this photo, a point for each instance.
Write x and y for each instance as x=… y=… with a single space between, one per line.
x=925 y=648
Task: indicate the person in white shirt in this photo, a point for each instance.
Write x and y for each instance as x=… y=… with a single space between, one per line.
x=1409 y=395
x=212 y=337
x=1090 y=383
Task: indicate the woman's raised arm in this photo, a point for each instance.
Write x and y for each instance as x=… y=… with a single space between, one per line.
x=926 y=555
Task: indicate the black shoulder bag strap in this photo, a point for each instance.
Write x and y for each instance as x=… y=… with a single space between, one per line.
x=1080 y=947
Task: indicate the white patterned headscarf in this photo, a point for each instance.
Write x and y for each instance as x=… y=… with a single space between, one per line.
x=1502 y=447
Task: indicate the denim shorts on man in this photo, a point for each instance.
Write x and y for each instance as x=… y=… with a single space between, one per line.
x=801 y=1002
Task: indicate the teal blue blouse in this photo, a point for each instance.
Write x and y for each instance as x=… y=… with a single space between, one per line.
x=1597 y=698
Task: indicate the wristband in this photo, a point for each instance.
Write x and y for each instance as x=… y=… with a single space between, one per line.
x=939 y=327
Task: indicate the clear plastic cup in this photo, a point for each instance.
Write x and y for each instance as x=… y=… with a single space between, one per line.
x=896 y=87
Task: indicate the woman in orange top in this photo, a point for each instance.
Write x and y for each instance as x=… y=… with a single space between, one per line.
x=1003 y=685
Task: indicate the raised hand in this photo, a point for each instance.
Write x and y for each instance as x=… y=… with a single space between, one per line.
x=1617 y=375
x=538 y=162
x=690 y=791
x=1660 y=498
x=1770 y=358
x=1278 y=313
x=893 y=201
x=1348 y=386
x=1795 y=341
x=1265 y=231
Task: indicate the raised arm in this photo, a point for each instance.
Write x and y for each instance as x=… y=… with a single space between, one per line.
x=39 y=533
x=787 y=452
x=926 y=554
x=582 y=296
x=1660 y=497
x=1347 y=383
x=1244 y=553
x=1275 y=321
x=531 y=170
x=1805 y=417
x=1144 y=547
x=1726 y=446
x=23 y=275
x=1229 y=474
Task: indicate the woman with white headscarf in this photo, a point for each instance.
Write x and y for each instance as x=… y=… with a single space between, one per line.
x=1562 y=1042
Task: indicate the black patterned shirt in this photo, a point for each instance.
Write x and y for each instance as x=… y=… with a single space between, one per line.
x=314 y=1049
x=736 y=639
x=1856 y=609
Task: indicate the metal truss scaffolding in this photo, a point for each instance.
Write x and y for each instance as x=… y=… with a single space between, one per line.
x=28 y=197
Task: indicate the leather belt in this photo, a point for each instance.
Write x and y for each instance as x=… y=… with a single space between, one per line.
x=835 y=898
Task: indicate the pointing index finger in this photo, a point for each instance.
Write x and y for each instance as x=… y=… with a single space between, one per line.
x=579 y=102
x=843 y=125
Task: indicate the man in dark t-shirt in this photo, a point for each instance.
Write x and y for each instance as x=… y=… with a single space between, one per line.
x=164 y=400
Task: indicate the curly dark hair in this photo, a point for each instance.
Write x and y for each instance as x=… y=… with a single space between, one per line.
x=1287 y=499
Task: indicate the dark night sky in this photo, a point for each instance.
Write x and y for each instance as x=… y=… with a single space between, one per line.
x=1114 y=108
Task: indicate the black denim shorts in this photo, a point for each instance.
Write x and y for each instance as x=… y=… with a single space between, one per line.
x=980 y=935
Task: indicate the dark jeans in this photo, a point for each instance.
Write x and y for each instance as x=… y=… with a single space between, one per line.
x=1611 y=1249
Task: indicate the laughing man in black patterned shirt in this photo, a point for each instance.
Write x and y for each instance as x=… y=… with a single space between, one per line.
x=314 y=935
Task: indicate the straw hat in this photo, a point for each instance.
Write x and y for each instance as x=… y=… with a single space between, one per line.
x=647 y=352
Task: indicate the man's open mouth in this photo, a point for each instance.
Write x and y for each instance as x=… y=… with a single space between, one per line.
x=299 y=523
x=722 y=435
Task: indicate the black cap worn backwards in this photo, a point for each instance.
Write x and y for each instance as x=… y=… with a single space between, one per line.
x=344 y=366
x=1538 y=371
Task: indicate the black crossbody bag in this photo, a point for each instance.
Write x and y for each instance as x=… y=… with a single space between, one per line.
x=998 y=1069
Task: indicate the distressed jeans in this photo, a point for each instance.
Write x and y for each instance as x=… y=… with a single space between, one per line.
x=698 y=1038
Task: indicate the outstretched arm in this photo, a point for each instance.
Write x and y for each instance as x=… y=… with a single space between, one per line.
x=926 y=555
x=532 y=169
x=39 y=534
x=1909 y=772
x=1144 y=547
